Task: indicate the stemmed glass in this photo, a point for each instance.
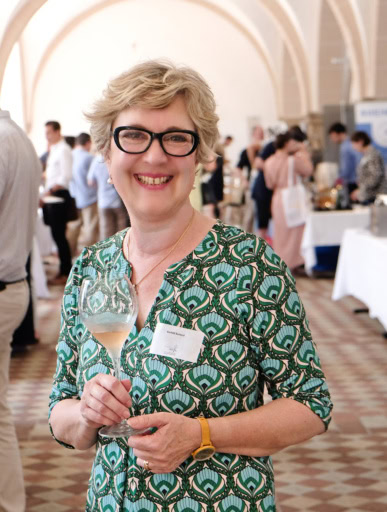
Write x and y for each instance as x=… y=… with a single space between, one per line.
x=108 y=307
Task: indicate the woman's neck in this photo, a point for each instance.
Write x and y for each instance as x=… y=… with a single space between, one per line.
x=147 y=238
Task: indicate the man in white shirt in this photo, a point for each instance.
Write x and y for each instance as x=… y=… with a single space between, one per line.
x=58 y=177
x=20 y=176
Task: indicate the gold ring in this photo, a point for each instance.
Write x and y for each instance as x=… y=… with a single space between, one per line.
x=146 y=465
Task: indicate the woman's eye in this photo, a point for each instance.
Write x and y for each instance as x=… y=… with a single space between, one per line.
x=133 y=135
x=177 y=138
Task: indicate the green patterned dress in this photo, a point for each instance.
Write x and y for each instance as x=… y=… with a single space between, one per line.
x=240 y=294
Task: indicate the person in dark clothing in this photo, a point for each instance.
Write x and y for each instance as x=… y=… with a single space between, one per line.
x=212 y=189
x=246 y=161
x=261 y=194
x=25 y=333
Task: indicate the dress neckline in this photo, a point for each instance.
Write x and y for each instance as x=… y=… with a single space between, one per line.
x=169 y=269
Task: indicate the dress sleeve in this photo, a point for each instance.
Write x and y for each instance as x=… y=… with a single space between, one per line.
x=281 y=340
x=65 y=378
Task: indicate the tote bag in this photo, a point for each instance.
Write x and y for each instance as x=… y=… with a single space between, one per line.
x=294 y=199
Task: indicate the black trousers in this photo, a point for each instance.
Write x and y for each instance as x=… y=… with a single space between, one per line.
x=55 y=216
x=25 y=333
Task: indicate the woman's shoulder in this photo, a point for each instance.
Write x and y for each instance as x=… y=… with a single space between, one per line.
x=255 y=264
x=243 y=247
x=102 y=252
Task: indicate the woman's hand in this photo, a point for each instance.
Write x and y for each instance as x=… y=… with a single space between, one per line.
x=175 y=439
x=105 y=401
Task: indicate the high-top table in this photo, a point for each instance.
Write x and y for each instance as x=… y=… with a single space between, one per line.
x=362 y=271
x=327 y=228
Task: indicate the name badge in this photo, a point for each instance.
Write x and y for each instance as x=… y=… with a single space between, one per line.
x=176 y=342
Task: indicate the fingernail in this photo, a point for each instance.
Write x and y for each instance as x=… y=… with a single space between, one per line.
x=126 y=414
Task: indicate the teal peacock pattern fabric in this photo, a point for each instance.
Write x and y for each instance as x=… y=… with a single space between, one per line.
x=241 y=295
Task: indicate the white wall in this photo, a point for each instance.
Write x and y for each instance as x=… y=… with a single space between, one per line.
x=117 y=37
x=11 y=93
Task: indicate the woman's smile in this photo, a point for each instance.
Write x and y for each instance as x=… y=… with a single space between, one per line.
x=153 y=182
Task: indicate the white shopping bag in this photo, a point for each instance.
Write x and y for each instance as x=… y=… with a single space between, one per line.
x=294 y=199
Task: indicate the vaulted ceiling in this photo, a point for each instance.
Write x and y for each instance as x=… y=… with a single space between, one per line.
x=309 y=53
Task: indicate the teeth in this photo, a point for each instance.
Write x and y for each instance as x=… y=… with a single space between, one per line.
x=147 y=180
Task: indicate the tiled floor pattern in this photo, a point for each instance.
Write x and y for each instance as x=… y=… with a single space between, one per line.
x=343 y=470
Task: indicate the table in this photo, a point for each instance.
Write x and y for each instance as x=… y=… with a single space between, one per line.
x=362 y=271
x=327 y=228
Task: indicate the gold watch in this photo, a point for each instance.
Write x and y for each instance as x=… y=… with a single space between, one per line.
x=206 y=450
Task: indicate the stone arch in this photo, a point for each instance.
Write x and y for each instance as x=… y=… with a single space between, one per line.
x=291 y=34
x=348 y=19
x=254 y=39
x=280 y=14
x=16 y=24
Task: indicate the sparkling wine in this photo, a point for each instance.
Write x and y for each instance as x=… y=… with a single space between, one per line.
x=112 y=341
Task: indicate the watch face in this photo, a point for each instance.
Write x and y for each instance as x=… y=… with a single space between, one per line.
x=205 y=453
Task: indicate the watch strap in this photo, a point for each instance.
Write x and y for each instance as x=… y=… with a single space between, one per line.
x=206 y=440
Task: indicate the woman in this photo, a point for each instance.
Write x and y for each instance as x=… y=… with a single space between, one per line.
x=371 y=174
x=286 y=241
x=196 y=273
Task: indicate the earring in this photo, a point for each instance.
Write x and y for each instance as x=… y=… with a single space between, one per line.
x=109 y=180
x=194 y=187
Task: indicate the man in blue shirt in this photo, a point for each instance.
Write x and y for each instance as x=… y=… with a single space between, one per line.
x=112 y=213
x=84 y=195
x=349 y=158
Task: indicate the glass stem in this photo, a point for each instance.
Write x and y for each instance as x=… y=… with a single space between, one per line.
x=117 y=374
x=117 y=367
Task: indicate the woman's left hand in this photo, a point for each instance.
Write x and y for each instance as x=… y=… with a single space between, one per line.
x=175 y=439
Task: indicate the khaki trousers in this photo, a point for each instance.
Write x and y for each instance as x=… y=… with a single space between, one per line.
x=83 y=231
x=13 y=307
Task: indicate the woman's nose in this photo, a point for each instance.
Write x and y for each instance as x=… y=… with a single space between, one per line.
x=155 y=153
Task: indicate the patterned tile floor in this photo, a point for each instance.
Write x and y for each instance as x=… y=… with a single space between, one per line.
x=343 y=470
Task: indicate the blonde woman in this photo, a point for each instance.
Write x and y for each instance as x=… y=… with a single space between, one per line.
x=212 y=434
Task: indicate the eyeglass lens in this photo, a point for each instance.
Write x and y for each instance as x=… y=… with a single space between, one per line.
x=175 y=143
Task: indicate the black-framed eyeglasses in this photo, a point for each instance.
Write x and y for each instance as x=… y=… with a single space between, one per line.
x=132 y=140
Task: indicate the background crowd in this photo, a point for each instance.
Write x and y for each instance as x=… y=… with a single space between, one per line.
x=81 y=206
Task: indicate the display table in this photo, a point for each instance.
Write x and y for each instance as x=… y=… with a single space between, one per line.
x=362 y=271
x=327 y=228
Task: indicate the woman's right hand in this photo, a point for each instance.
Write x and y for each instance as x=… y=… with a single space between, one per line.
x=105 y=401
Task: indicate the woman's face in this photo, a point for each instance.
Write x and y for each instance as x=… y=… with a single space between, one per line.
x=134 y=176
x=358 y=146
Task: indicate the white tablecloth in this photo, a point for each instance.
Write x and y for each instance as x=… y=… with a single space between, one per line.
x=362 y=271
x=43 y=246
x=327 y=228
x=39 y=280
x=43 y=235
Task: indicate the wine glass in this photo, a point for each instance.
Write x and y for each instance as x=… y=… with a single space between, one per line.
x=108 y=307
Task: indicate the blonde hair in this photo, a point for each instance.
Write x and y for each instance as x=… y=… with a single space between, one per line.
x=155 y=84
